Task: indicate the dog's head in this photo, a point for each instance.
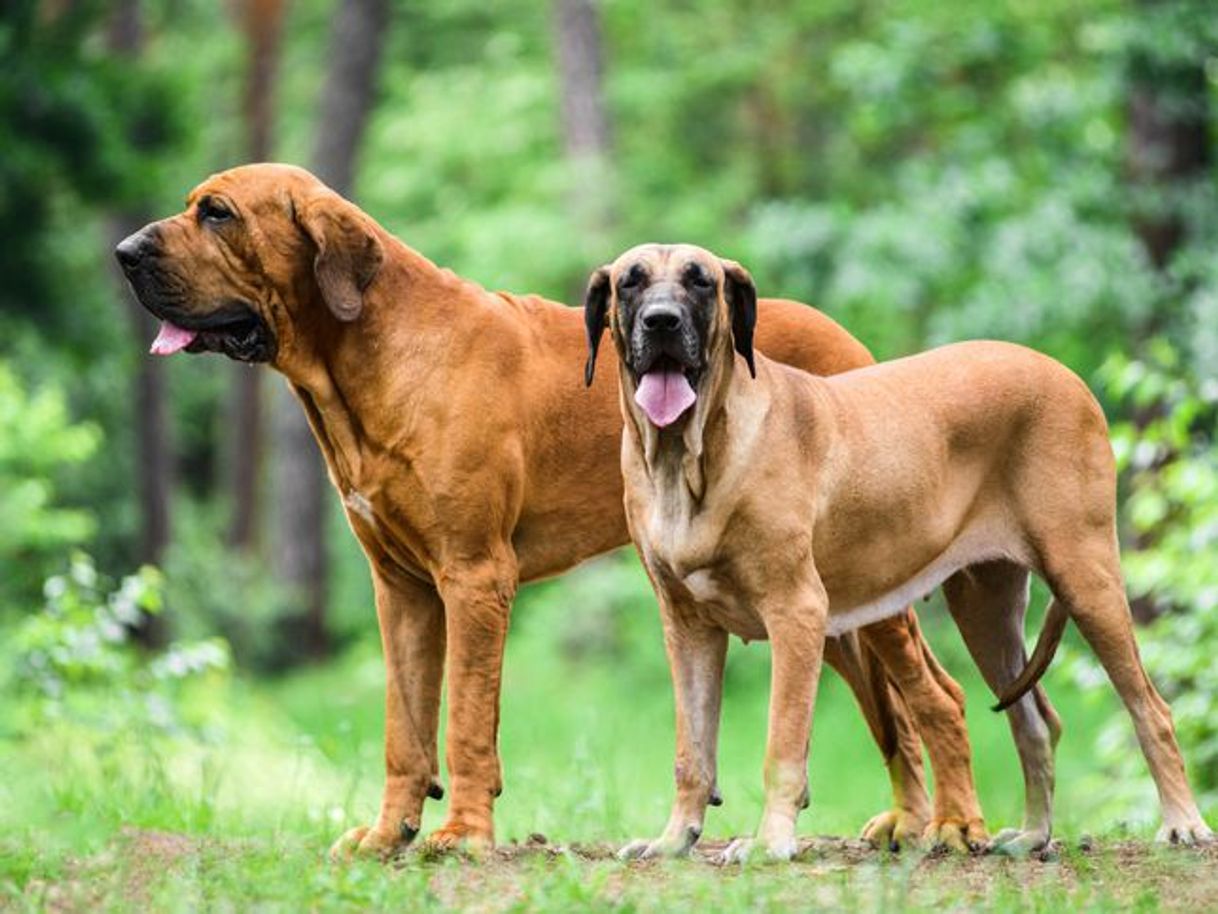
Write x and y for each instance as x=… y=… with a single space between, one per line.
x=260 y=253
x=676 y=312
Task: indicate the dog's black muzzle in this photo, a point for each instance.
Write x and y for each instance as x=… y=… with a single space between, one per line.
x=233 y=328
x=663 y=330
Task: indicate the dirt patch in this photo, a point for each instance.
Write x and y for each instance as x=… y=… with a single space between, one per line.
x=821 y=849
x=125 y=871
x=139 y=867
x=843 y=874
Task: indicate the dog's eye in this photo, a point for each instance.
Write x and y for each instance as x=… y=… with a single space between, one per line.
x=213 y=211
x=698 y=278
x=634 y=277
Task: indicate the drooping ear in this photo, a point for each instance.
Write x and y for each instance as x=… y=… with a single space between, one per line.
x=348 y=252
x=596 y=307
x=741 y=297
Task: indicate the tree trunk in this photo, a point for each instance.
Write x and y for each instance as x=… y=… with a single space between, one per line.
x=153 y=451
x=1169 y=142
x=577 y=27
x=356 y=42
x=585 y=119
x=154 y=460
x=262 y=24
x=302 y=495
x=300 y=510
x=1168 y=153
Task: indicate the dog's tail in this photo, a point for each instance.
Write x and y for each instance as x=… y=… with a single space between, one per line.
x=1056 y=617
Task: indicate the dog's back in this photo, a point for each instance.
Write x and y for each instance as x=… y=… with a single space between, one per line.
x=967 y=453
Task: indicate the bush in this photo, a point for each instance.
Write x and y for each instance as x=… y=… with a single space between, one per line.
x=75 y=661
x=214 y=590
x=38 y=442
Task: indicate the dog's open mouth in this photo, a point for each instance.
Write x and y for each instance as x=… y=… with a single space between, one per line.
x=171 y=339
x=240 y=334
x=665 y=392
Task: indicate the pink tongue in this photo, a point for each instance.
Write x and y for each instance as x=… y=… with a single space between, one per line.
x=664 y=395
x=171 y=339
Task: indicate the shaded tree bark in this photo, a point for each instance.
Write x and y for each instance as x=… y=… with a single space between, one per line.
x=1168 y=151
x=1169 y=145
x=262 y=24
x=587 y=137
x=153 y=449
x=577 y=29
x=301 y=490
x=356 y=43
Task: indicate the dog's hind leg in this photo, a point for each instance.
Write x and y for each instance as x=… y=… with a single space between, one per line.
x=888 y=718
x=988 y=602
x=937 y=704
x=1086 y=577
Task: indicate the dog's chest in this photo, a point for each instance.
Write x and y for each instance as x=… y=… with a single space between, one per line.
x=385 y=534
x=682 y=540
x=678 y=535
x=685 y=566
x=711 y=594
x=357 y=503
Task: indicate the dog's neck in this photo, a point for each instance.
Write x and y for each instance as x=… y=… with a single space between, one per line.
x=408 y=342
x=686 y=460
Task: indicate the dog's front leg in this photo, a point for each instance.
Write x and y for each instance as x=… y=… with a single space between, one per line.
x=696 y=653
x=796 y=627
x=411 y=619
x=477 y=599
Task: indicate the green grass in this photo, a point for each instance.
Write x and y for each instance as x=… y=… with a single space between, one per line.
x=241 y=820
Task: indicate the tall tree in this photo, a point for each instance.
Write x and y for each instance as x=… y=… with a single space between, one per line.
x=1169 y=144
x=262 y=24
x=357 y=40
x=586 y=133
x=302 y=495
x=153 y=448
x=1168 y=152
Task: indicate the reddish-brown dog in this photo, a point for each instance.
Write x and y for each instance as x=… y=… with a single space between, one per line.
x=469 y=458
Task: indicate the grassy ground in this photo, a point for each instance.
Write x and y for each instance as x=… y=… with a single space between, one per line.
x=241 y=820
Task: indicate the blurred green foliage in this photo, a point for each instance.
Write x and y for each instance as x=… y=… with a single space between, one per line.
x=77 y=660
x=79 y=126
x=38 y=444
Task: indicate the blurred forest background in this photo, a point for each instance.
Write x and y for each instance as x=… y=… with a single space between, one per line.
x=176 y=579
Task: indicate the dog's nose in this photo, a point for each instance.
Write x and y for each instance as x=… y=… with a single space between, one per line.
x=131 y=250
x=662 y=318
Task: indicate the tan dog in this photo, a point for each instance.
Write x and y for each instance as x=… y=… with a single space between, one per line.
x=468 y=459
x=792 y=507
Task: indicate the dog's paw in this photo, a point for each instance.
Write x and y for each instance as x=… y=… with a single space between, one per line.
x=1190 y=833
x=1015 y=842
x=741 y=850
x=780 y=850
x=371 y=843
x=963 y=836
x=664 y=846
x=893 y=829
x=457 y=838
x=752 y=850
